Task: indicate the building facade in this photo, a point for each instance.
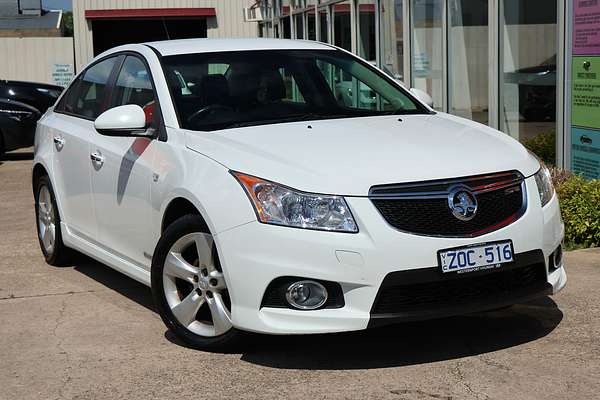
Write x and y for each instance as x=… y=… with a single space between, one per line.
x=102 y=24
x=498 y=62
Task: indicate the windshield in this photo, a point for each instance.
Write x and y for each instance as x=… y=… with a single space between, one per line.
x=214 y=91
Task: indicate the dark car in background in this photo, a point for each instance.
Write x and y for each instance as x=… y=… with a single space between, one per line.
x=537 y=90
x=21 y=105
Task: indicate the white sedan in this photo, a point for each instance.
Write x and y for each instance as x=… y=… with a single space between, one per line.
x=229 y=177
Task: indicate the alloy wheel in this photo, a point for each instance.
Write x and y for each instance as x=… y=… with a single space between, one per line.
x=46 y=219
x=195 y=287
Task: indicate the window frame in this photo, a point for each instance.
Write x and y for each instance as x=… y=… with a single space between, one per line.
x=420 y=107
x=161 y=133
x=77 y=81
x=158 y=117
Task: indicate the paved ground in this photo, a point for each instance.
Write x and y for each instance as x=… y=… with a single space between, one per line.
x=87 y=332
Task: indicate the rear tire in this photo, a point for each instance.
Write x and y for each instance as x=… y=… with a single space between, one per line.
x=48 y=224
x=189 y=287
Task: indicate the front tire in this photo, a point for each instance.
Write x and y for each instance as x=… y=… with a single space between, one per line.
x=189 y=287
x=48 y=224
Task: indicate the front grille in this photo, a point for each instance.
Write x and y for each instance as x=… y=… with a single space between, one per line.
x=422 y=208
x=396 y=295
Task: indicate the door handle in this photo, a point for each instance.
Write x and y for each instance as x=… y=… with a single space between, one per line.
x=97 y=158
x=59 y=142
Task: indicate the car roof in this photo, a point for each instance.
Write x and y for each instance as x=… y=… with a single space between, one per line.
x=188 y=46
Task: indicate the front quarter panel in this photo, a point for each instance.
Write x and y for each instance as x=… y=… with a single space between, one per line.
x=182 y=173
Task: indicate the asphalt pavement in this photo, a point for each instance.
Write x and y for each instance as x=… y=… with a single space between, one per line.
x=88 y=332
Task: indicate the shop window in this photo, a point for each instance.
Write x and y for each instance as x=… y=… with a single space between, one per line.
x=366 y=22
x=323 y=25
x=468 y=59
x=299 y=26
x=342 y=26
x=392 y=38
x=528 y=73
x=427 y=54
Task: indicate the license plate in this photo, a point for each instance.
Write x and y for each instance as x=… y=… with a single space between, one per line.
x=476 y=258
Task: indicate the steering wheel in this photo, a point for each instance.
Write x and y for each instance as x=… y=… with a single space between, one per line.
x=207 y=109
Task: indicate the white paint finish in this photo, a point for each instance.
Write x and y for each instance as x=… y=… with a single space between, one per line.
x=229 y=21
x=127 y=117
x=71 y=166
x=186 y=46
x=122 y=202
x=327 y=162
x=121 y=225
x=33 y=59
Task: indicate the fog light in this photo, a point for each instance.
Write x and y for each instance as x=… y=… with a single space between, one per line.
x=306 y=295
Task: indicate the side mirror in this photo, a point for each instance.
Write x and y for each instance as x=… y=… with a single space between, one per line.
x=423 y=96
x=128 y=120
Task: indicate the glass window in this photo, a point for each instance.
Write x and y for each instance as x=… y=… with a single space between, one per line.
x=286 y=29
x=528 y=74
x=274 y=86
x=69 y=101
x=427 y=53
x=323 y=25
x=342 y=27
x=299 y=26
x=366 y=21
x=88 y=99
x=468 y=67
x=392 y=37
x=311 y=26
x=135 y=87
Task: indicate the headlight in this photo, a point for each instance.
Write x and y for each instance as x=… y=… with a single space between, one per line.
x=279 y=205
x=543 y=179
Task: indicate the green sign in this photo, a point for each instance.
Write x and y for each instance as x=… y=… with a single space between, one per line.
x=586 y=92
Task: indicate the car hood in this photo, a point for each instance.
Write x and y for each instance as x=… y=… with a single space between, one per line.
x=349 y=156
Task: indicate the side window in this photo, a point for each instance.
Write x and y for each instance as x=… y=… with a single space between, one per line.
x=69 y=100
x=135 y=87
x=90 y=101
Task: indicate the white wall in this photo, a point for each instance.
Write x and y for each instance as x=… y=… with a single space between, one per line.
x=229 y=21
x=34 y=59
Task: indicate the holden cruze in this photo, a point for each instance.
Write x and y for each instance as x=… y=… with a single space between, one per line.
x=235 y=179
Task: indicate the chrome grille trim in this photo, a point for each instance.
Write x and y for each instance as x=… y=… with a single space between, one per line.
x=416 y=190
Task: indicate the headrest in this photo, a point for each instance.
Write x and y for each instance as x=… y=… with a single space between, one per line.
x=271 y=86
x=214 y=89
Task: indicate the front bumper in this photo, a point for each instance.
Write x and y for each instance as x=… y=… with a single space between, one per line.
x=255 y=254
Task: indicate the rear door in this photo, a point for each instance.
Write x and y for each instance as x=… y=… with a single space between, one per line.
x=72 y=129
x=121 y=184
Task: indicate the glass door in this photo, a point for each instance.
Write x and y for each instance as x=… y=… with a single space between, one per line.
x=427 y=50
x=528 y=68
x=468 y=59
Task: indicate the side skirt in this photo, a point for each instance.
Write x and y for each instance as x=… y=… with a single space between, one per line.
x=118 y=263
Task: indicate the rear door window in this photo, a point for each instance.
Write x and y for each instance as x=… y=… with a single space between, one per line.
x=87 y=97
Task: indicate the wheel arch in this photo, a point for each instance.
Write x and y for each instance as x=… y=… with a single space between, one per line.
x=177 y=208
x=38 y=171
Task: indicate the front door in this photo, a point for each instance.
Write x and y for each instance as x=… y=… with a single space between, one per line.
x=122 y=177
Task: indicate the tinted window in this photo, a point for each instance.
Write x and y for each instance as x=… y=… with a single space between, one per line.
x=232 y=89
x=87 y=96
x=135 y=87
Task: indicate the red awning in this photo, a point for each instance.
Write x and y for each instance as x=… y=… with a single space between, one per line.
x=150 y=13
